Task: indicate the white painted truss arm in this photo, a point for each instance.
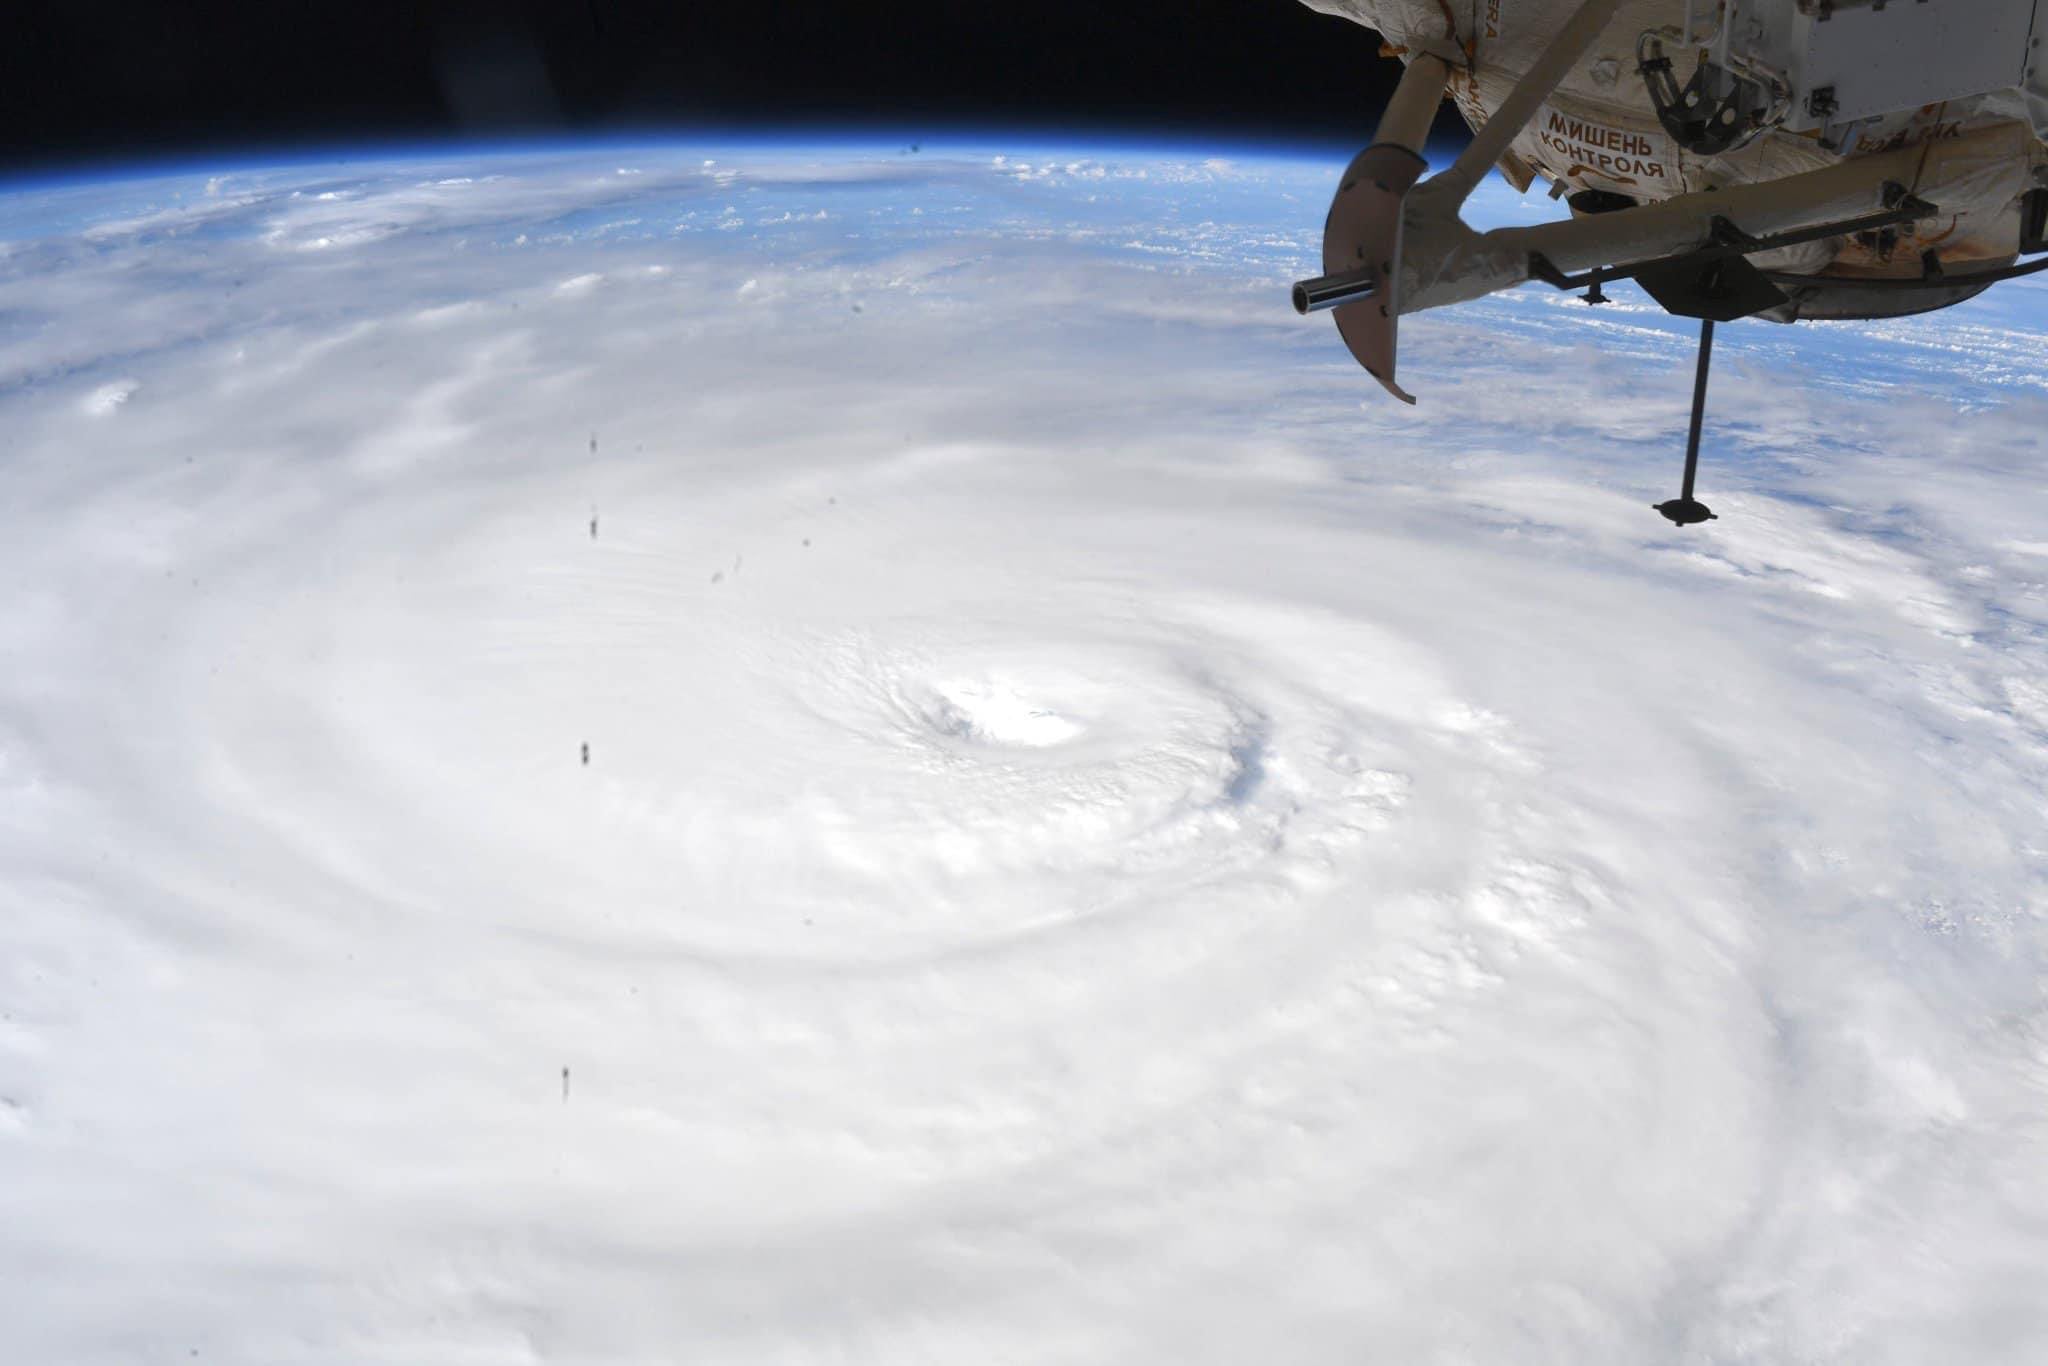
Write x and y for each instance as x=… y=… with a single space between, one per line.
x=1572 y=42
x=1446 y=262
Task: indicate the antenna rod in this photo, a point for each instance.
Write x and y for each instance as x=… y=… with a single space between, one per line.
x=1685 y=510
x=1699 y=407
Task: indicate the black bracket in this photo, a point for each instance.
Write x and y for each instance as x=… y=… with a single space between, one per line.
x=1717 y=110
x=2033 y=222
x=1719 y=290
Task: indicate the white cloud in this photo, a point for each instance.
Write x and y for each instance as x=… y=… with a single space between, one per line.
x=110 y=396
x=1098 y=828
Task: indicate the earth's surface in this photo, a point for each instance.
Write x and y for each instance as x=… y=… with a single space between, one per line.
x=747 y=754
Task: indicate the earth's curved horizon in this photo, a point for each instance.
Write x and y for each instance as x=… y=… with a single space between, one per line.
x=771 y=751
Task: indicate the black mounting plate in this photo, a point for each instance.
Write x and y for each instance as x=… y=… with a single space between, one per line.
x=1722 y=290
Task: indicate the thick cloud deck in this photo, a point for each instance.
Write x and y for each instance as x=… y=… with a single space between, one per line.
x=762 y=757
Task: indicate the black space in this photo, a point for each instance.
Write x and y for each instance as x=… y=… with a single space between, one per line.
x=100 y=80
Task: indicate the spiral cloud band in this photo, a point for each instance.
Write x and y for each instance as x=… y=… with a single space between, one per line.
x=753 y=756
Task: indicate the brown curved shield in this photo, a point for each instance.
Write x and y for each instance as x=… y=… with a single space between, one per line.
x=1363 y=232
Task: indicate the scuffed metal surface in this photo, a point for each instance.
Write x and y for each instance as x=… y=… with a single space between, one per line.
x=1599 y=131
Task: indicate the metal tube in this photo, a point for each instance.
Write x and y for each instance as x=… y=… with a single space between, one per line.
x=1413 y=108
x=1578 y=35
x=1328 y=291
